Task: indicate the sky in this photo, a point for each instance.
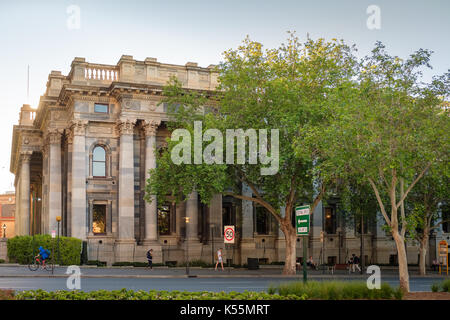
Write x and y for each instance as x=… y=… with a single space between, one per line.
x=47 y=35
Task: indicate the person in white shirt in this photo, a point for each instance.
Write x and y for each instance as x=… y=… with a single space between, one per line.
x=219 y=259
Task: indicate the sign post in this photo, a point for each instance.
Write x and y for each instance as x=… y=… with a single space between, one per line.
x=228 y=238
x=443 y=255
x=302 y=224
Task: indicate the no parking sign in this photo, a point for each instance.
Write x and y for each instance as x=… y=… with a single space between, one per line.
x=228 y=234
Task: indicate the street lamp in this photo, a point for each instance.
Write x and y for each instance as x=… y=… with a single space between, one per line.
x=4 y=230
x=187 y=247
x=58 y=219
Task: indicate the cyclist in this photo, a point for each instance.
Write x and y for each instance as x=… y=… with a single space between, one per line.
x=44 y=254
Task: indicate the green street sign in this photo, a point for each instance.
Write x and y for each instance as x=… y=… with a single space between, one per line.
x=302 y=215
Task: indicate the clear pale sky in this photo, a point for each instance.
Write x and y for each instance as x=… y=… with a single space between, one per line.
x=35 y=33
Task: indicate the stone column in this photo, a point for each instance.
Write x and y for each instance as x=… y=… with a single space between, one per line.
x=192 y=215
x=55 y=196
x=17 y=222
x=24 y=227
x=151 y=213
x=248 y=241
x=126 y=241
x=78 y=201
x=247 y=213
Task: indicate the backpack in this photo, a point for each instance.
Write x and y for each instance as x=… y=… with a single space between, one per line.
x=149 y=256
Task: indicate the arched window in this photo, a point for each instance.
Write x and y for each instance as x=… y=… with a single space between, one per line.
x=99 y=162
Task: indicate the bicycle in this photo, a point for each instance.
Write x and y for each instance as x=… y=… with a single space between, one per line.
x=37 y=262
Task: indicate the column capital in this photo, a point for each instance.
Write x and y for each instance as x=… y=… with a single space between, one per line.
x=150 y=127
x=78 y=127
x=125 y=126
x=54 y=135
x=25 y=156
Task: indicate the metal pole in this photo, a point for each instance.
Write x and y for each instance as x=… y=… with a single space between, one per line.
x=59 y=254
x=212 y=244
x=305 y=275
x=362 y=244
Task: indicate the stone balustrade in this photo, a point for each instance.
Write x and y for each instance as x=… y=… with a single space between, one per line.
x=101 y=72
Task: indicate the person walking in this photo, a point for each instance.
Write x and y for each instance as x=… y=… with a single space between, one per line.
x=350 y=265
x=356 y=263
x=150 y=259
x=219 y=259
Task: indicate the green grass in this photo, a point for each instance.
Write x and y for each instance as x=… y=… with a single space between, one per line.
x=335 y=290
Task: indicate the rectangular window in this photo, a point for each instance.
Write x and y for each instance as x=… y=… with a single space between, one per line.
x=446 y=217
x=358 y=225
x=99 y=219
x=330 y=220
x=164 y=220
x=101 y=108
x=228 y=218
x=263 y=220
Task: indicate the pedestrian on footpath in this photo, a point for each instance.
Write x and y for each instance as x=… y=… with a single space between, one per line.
x=219 y=259
x=356 y=263
x=350 y=265
x=150 y=259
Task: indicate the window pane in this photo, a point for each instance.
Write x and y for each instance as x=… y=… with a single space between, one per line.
x=98 y=169
x=102 y=108
x=262 y=220
x=99 y=219
x=164 y=220
x=99 y=154
x=330 y=220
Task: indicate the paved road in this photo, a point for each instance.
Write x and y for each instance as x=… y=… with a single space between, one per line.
x=189 y=284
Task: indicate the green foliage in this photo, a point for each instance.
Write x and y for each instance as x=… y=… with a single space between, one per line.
x=335 y=290
x=96 y=263
x=21 y=249
x=197 y=263
x=293 y=88
x=150 y=295
x=2 y=261
x=435 y=287
x=445 y=285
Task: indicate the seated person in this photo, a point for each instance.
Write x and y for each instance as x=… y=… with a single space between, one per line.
x=310 y=263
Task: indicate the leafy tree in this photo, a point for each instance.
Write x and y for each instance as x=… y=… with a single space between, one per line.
x=430 y=193
x=390 y=134
x=292 y=89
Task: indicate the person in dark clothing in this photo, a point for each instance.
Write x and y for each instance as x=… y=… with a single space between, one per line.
x=150 y=258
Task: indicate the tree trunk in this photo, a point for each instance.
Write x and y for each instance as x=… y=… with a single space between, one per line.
x=402 y=261
x=423 y=253
x=291 y=240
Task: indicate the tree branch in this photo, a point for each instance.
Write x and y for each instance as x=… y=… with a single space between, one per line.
x=377 y=194
x=260 y=201
x=412 y=185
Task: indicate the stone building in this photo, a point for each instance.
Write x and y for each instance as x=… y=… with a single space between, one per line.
x=84 y=154
x=7 y=213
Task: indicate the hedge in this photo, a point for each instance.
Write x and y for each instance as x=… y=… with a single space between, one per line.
x=149 y=295
x=22 y=248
